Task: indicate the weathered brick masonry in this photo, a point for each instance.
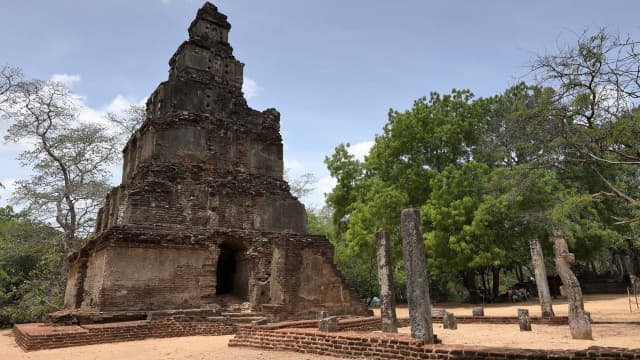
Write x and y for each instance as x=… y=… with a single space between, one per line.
x=348 y=344
x=203 y=216
x=374 y=323
x=192 y=322
x=43 y=336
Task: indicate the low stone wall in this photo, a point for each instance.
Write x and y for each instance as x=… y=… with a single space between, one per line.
x=47 y=336
x=44 y=336
x=393 y=346
x=375 y=324
x=556 y=320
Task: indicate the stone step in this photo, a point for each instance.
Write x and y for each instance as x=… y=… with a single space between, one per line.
x=246 y=320
x=242 y=314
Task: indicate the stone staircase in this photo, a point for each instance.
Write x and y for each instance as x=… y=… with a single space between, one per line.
x=243 y=317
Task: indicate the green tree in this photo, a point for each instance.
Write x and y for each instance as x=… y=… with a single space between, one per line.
x=69 y=158
x=414 y=147
x=597 y=92
x=349 y=173
x=418 y=143
x=128 y=122
x=10 y=79
x=478 y=218
x=447 y=217
x=518 y=129
x=30 y=268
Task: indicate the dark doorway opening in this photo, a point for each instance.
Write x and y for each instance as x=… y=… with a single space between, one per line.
x=232 y=272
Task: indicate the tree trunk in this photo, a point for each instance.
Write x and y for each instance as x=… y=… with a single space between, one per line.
x=519 y=273
x=484 y=280
x=496 y=281
x=540 y=271
x=579 y=320
x=618 y=263
x=469 y=281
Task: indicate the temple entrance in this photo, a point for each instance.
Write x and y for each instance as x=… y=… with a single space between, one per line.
x=232 y=272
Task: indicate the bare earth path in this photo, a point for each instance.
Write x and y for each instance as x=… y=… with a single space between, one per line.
x=602 y=307
x=193 y=348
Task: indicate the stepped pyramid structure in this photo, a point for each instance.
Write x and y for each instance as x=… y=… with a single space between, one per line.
x=203 y=217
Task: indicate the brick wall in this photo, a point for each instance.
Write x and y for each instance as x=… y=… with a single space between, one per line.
x=42 y=336
x=374 y=323
x=298 y=336
x=393 y=346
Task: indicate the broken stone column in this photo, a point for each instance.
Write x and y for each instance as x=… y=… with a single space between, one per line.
x=477 y=311
x=544 y=296
x=323 y=315
x=579 y=321
x=263 y=321
x=387 y=285
x=328 y=324
x=523 y=320
x=417 y=281
x=449 y=321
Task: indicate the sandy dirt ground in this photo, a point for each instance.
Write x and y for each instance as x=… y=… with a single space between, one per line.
x=613 y=308
x=602 y=307
x=540 y=336
x=192 y=348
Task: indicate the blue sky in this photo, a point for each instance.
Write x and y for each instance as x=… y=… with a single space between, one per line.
x=332 y=68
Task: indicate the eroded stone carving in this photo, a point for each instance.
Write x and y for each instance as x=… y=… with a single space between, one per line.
x=523 y=320
x=449 y=321
x=328 y=324
x=579 y=319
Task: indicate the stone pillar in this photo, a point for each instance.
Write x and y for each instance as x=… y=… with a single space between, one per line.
x=387 y=285
x=323 y=314
x=417 y=281
x=523 y=320
x=449 y=321
x=477 y=311
x=328 y=324
x=277 y=284
x=544 y=296
x=579 y=322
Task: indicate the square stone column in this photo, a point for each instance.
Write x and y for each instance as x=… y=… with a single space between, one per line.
x=387 y=285
x=417 y=281
x=544 y=296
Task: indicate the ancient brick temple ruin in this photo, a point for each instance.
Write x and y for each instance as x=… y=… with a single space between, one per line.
x=203 y=217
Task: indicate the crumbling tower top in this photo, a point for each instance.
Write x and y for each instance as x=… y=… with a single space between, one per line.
x=209 y=26
x=203 y=157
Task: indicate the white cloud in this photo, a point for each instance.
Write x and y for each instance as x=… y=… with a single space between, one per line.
x=361 y=149
x=293 y=165
x=326 y=184
x=316 y=199
x=5 y=191
x=67 y=79
x=118 y=105
x=9 y=146
x=250 y=88
x=86 y=113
